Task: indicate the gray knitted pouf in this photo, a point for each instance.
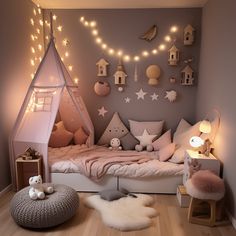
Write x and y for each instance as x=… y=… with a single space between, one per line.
x=55 y=209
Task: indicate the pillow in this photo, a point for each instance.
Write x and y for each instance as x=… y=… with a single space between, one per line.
x=164 y=140
x=182 y=139
x=115 y=129
x=111 y=194
x=166 y=152
x=60 y=137
x=178 y=156
x=182 y=127
x=80 y=137
x=129 y=142
x=145 y=139
x=214 y=127
x=153 y=127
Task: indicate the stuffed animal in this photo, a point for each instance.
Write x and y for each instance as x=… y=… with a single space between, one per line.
x=115 y=144
x=38 y=190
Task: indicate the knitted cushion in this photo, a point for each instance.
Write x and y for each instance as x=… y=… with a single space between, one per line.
x=55 y=209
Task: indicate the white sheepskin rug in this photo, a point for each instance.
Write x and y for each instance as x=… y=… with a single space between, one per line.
x=126 y=213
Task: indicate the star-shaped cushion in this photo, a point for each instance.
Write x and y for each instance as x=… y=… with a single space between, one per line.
x=145 y=139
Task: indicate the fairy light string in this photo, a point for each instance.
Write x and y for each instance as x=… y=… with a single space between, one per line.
x=112 y=51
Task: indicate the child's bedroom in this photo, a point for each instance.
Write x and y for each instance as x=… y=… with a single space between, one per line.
x=117 y=117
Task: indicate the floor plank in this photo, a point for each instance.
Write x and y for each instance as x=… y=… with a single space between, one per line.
x=170 y=221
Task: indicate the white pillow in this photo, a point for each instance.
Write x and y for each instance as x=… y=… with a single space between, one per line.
x=178 y=156
x=145 y=139
x=182 y=127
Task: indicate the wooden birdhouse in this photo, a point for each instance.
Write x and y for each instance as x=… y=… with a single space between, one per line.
x=173 y=56
x=188 y=35
x=187 y=76
x=102 y=67
x=120 y=74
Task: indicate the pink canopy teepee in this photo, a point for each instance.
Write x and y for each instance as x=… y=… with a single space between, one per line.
x=51 y=90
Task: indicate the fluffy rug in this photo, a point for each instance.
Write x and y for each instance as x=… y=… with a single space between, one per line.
x=126 y=213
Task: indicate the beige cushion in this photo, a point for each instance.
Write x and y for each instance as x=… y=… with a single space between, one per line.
x=153 y=127
x=182 y=127
x=163 y=141
x=178 y=156
x=115 y=129
x=166 y=152
x=80 y=136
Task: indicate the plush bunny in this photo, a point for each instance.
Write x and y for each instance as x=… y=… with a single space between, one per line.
x=115 y=144
x=37 y=190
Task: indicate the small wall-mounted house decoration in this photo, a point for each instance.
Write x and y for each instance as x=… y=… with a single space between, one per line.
x=172 y=80
x=188 y=35
x=187 y=75
x=173 y=56
x=102 y=67
x=120 y=75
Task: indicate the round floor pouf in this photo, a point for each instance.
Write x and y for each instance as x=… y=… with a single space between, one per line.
x=55 y=209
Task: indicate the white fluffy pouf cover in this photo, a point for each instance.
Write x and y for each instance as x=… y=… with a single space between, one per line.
x=127 y=213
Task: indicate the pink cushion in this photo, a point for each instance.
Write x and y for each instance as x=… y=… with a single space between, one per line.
x=207 y=182
x=60 y=137
x=80 y=137
x=163 y=141
x=166 y=152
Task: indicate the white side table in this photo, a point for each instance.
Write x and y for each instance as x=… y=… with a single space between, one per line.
x=201 y=162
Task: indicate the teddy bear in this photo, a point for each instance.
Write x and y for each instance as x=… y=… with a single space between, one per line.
x=38 y=190
x=115 y=144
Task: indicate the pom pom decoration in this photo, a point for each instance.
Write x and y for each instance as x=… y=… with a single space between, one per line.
x=139 y=148
x=171 y=95
x=149 y=148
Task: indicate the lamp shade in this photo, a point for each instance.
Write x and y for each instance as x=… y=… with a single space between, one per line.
x=205 y=127
x=196 y=142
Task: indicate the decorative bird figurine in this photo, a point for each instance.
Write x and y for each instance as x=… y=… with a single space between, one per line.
x=150 y=34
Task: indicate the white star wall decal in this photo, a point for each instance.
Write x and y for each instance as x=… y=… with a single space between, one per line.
x=141 y=94
x=127 y=100
x=102 y=111
x=154 y=96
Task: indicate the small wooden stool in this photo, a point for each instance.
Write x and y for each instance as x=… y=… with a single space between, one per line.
x=205 y=189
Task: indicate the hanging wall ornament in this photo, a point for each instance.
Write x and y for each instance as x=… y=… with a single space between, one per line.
x=187 y=76
x=153 y=73
x=140 y=94
x=102 y=88
x=102 y=111
x=150 y=34
x=102 y=67
x=120 y=76
x=172 y=80
x=173 y=56
x=135 y=73
x=171 y=95
x=188 y=35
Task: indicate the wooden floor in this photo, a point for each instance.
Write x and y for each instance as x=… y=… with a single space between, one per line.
x=171 y=221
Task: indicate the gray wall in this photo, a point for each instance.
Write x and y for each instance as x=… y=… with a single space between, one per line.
x=217 y=83
x=121 y=28
x=15 y=71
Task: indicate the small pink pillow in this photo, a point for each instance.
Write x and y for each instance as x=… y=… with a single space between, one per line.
x=163 y=141
x=60 y=137
x=80 y=137
x=166 y=152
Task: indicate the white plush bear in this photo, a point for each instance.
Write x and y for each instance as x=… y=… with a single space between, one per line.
x=115 y=144
x=37 y=190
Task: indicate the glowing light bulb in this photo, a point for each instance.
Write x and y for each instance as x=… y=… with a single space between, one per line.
x=145 y=53
x=40 y=47
x=98 y=40
x=54 y=17
x=81 y=19
x=59 y=28
x=76 y=80
x=111 y=51
x=47 y=38
x=70 y=67
x=136 y=58
x=32 y=76
x=154 y=51
x=35 y=12
x=66 y=54
x=120 y=53
x=86 y=23
x=32 y=50
x=94 y=32
x=127 y=58
x=65 y=42
x=62 y=58
x=39 y=10
x=40 y=59
x=173 y=29
x=162 y=47
x=32 y=21
x=38 y=30
x=41 y=22
x=104 y=46
x=32 y=37
x=32 y=62
x=167 y=38
x=93 y=24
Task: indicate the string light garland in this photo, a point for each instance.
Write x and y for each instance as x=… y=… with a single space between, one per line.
x=92 y=26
